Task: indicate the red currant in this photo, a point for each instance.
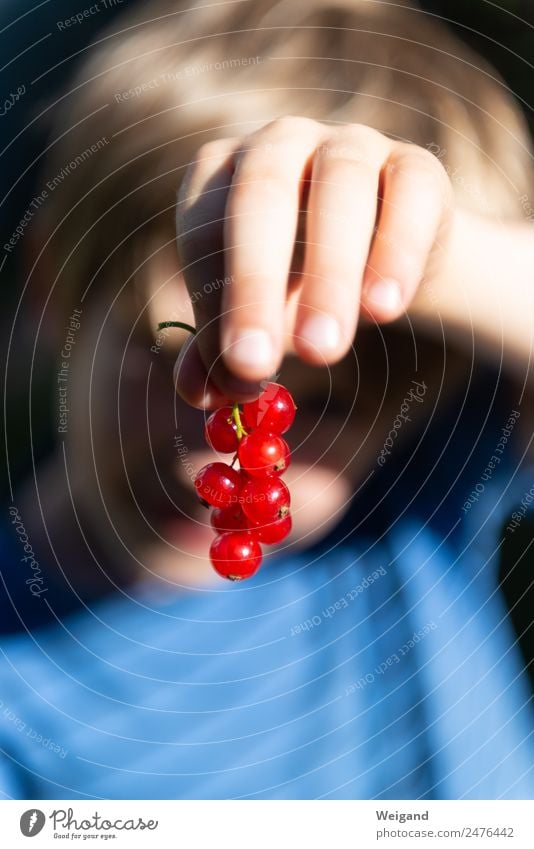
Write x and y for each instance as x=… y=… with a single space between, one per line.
x=262 y=454
x=273 y=411
x=236 y=555
x=218 y=484
x=220 y=431
x=275 y=531
x=265 y=500
x=228 y=519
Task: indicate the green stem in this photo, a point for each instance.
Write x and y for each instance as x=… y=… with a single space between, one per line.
x=240 y=430
x=163 y=324
x=236 y=415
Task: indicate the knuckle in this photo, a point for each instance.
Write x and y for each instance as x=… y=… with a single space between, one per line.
x=354 y=146
x=421 y=166
x=362 y=135
x=210 y=150
x=287 y=125
x=275 y=148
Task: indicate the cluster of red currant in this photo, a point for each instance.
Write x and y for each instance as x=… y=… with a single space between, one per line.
x=252 y=502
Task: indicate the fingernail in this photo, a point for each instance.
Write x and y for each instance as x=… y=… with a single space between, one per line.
x=385 y=294
x=321 y=332
x=251 y=347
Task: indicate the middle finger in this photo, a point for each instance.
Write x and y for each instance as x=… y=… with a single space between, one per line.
x=340 y=223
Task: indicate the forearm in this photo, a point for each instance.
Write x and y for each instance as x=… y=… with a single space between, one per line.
x=483 y=288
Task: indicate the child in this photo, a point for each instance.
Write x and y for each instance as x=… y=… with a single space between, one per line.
x=328 y=167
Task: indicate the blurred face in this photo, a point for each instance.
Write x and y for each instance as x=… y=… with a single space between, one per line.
x=135 y=446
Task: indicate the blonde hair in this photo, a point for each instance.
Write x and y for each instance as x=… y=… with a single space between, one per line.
x=154 y=88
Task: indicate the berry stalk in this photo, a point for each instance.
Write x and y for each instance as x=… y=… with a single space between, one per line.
x=236 y=415
x=181 y=324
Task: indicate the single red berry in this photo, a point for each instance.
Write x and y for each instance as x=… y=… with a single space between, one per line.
x=235 y=555
x=262 y=454
x=273 y=411
x=275 y=531
x=220 y=431
x=218 y=484
x=265 y=500
x=228 y=519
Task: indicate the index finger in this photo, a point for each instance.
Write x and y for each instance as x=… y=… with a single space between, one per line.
x=200 y=240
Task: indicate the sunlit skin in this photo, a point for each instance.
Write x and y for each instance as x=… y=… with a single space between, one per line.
x=380 y=218
x=377 y=213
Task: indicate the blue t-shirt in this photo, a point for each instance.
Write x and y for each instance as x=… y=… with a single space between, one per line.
x=382 y=663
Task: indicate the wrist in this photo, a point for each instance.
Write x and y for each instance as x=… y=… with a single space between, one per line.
x=481 y=288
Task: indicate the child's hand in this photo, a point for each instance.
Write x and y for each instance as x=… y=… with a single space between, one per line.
x=375 y=210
